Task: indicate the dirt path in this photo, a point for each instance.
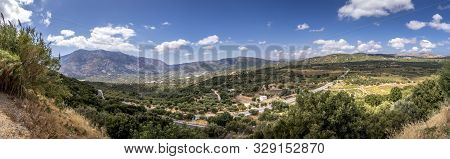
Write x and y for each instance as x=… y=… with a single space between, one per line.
x=320 y=89
x=8 y=128
x=218 y=95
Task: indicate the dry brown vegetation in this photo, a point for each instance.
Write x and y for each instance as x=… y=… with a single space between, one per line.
x=437 y=127
x=44 y=120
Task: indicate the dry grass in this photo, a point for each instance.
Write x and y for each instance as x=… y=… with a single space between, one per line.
x=44 y=120
x=437 y=127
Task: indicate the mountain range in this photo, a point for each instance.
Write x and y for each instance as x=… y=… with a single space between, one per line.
x=96 y=64
x=84 y=63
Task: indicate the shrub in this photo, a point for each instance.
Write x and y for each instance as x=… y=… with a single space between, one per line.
x=10 y=72
x=253 y=112
x=373 y=100
x=221 y=119
x=26 y=63
x=426 y=97
x=279 y=105
x=396 y=94
x=236 y=126
x=215 y=131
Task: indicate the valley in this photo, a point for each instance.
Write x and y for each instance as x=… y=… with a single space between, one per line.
x=237 y=104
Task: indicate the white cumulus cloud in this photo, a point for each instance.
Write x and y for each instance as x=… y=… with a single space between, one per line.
x=171 y=45
x=14 y=10
x=437 y=24
x=399 y=43
x=369 y=47
x=373 y=8
x=107 y=38
x=416 y=25
x=427 y=46
x=333 y=46
x=67 y=33
x=211 y=40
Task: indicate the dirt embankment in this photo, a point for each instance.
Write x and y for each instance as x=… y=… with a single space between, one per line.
x=8 y=128
x=437 y=127
x=43 y=119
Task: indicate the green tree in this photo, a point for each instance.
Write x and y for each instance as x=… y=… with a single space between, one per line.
x=396 y=94
x=215 y=131
x=236 y=126
x=119 y=126
x=279 y=106
x=373 y=99
x=426 y=97
x=221 y=119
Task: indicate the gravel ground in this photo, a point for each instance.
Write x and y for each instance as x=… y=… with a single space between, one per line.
x=8 y=128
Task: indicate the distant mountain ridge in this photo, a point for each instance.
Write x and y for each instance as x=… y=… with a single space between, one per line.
x=85 y=63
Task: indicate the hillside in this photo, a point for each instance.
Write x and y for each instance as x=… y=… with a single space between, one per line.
x=341 y=58
x=94 y=64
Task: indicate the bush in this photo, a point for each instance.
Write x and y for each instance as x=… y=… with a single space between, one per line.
x=215 y=131
x=221 y=119
x=253 y=112
x=396 y=94
x=373 y=100
x=426 y=97
x=236 y=126
x=268 y=116
x=119 y=126
x=10 y=73
x=279 y=106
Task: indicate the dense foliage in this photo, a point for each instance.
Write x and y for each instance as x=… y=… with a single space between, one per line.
x=396 y=94
x=26 y=63
x=373 y=99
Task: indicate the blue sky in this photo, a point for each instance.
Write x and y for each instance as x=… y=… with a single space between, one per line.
x=327 y=26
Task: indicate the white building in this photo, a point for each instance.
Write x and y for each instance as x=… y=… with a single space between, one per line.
x=262 y=98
